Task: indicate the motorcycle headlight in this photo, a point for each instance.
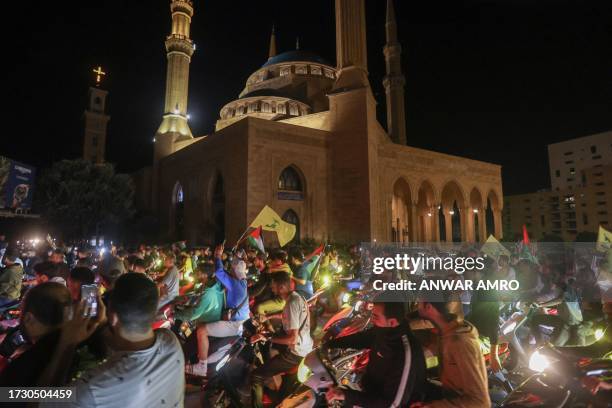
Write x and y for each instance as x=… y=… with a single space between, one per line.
x=538 y=362
x=599 y=333
x=347 y=298
x=509 y=328
x=303 y=372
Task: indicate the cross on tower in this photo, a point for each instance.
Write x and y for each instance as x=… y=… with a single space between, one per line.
x=99 y=73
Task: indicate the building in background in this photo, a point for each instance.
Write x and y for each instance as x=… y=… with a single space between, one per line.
x=581 y=196
x=303 y=138
x=568 y=160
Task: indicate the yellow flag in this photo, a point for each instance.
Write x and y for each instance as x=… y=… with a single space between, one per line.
x=604 y=239
x=269 y=220
x=493 y=248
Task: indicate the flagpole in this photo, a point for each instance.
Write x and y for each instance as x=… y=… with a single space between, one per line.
x=240 y=239
x=316 y=271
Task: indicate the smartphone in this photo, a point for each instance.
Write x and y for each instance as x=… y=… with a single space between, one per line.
x=89 y=293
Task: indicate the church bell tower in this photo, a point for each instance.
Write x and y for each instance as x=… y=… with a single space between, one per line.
x=96 y=120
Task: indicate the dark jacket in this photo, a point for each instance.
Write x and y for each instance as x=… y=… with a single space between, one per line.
x=382 y=382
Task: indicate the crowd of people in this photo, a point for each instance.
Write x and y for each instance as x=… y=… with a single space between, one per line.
x=107 y=348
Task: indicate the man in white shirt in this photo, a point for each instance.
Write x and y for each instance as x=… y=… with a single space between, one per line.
x=295 y=336
x=145 y=368
x=169 y=283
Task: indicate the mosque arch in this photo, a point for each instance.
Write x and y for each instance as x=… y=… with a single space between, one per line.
x=402 y=219
x=453 y=208
x=178 y=210
x=477 y=214
x=290 y=179
x=291 y=184
x=426 y=212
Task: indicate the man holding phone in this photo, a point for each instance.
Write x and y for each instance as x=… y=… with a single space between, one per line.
x=237 y=300
x=146 y=367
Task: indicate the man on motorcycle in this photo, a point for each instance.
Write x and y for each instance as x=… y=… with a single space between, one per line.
x=42 y=314
x=10 y=278
x=237 y=300
x=396 y=367
x=295 y=341
x=266 y=301
x=463 y=375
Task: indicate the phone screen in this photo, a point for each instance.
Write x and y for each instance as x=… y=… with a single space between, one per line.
x=89 y=293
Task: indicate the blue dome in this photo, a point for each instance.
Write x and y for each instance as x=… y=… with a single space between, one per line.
x=296 y=55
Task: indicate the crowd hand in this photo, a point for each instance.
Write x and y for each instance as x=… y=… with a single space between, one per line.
x=335 y=394
x=79 y=328
x=219 y=251
x=257 y=338
x=495 y=364
x=595 y=384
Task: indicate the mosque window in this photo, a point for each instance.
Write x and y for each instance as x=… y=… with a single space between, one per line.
x=290 y=180
x=315 y=70
x=285 y=70
x=265 y=107
x=280 y=108
x=329 y=73
x=293 y=110
x=301 y=69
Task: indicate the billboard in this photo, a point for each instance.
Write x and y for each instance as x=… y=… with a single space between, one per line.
x=16 y=184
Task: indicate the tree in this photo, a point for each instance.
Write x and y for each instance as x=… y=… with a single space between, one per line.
x=82 y=198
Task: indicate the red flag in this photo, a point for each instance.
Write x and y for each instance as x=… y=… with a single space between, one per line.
x=316 y=252
x=525 y=235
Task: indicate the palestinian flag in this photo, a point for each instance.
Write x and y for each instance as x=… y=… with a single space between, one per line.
x=255 y=239
x=525 y=235
x=317 y=251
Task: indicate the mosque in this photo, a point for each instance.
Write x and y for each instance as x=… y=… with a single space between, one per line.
x=303 y=138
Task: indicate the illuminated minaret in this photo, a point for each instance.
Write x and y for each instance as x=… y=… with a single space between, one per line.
x=179 y=49
x=351 y=50
x=394 y=81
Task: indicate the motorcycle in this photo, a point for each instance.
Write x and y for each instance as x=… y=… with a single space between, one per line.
x=317 y=373
x=562 y=380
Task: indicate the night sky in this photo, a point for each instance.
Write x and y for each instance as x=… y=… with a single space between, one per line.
x=494 y=80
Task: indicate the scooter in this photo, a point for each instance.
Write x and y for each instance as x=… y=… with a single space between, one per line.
x=562 y=380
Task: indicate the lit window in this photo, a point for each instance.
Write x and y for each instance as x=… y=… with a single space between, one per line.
x=290 y=180
x=315 y=70
x=285 y=70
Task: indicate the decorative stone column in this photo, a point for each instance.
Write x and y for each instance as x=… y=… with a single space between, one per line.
x=482 y=224
x=498 y=223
